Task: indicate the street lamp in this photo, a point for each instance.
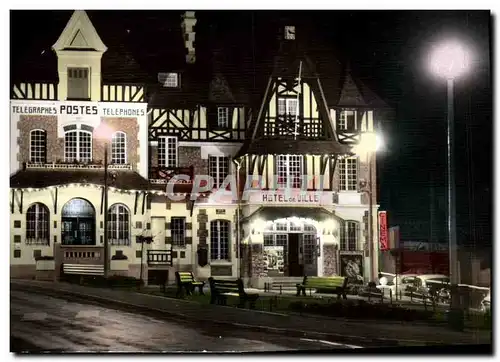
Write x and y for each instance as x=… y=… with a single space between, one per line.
x=450 y=60
x=105 y=133
x=369 y=144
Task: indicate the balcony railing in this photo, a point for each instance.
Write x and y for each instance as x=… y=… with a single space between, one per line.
x=81 y=254
x=162 y=175
x=160 y=257
x=87 y=166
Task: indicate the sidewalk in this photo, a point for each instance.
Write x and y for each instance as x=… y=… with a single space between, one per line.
x=373 y=333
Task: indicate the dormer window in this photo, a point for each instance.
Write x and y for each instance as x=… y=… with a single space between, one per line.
x=290 y=32
x=222 y=117
x=347 y=120
x=169 y=80
x=78 y=83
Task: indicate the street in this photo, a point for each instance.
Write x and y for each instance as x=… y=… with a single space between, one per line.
x=42 y=323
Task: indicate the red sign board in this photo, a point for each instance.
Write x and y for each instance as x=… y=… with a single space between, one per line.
x=383 y=237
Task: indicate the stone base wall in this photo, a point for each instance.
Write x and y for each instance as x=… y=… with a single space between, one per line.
x=47 y=275
x=330 y=260
x=27 y=271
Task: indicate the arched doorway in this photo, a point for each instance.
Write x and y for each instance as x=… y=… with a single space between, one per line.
x=291 y=247
x=78 y=223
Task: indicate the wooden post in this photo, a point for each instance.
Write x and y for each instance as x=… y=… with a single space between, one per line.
x=390 y=295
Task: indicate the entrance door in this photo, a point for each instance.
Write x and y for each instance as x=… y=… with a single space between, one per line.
x=294 y=266
x=78 y=223
x=309 y=242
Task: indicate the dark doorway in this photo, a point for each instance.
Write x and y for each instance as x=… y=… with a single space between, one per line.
x=294 y=266
x=78 y=223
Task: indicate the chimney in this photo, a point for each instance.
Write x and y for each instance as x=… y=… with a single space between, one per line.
x=188 y=23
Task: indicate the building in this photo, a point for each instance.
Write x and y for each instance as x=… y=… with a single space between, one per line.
x=274 y=111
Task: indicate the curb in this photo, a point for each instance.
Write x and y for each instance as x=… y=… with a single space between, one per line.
x=183 y=318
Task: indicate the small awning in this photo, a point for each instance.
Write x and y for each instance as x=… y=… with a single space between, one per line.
x=280 y=212
x=37 y=179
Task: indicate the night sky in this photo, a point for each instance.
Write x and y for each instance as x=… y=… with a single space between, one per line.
x=387 y=50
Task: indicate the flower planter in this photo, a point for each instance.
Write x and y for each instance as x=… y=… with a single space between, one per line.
x=45 y=265
x=119 y=265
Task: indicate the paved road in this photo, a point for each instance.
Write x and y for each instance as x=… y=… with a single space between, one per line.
x=42 y=323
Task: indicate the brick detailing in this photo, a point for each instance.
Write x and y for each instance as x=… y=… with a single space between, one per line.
x=191 y=156
x=47 y=123
x=55 y=146
x=153 y=155
x=330 y=260
x=131 y=129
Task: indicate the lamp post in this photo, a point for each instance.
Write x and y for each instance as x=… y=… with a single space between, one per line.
x=104 y=132
x=369 y=144
x=449 y=60
x=238 y=219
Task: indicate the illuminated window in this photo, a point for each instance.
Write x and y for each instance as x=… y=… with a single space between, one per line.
x=346 y=121
x=37 y=224
x=167 y=151
x=38 y=146
x=218 y=169
x=119 y=225
x=169 y=80
x=78 y=146
x=289 y=169
x=287 y=106
x=290 y=32
x=119 y=148
x=223 y=117
x=219 y=240
x=348 y=174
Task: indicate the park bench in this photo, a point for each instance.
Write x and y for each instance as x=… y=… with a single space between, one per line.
x=335 y=283
x=221 y=289
x=186 y=281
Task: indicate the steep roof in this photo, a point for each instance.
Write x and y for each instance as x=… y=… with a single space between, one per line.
x=239 y=54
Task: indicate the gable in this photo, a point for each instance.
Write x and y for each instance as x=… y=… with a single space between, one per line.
x=79 y=34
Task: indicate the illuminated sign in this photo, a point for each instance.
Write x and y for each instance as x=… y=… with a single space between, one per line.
x=101 y=109
x=291 y=197
x=383 y=237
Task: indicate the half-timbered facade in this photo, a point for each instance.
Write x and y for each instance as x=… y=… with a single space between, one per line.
x=269 y=117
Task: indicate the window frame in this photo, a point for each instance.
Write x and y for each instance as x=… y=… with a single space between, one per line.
x=166 y=152
x=68 y=77
x=78 y=150
x=41 y=225
x=346 y=124
x=218 y=180
x=44 y=158
x=222 y=242
x=169 y=83
x=221 y=112
x=125 y=153
x=345 y=178
x=291 y=179
x=287 y=101
x=347 y=242
x=179 y=242
x=117 y=226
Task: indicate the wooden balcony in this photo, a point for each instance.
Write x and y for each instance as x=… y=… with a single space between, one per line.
x=86 y=166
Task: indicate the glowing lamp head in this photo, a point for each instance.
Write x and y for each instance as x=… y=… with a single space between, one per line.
x=449 y=60
x=370 y=142
x=103 y=132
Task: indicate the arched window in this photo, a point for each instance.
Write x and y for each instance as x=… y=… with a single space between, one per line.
x=119 y=225
x=349 y=231
x=38 y=146
x=78 y=146
x=37 y=224
x=219 y=240
x=119 y=148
